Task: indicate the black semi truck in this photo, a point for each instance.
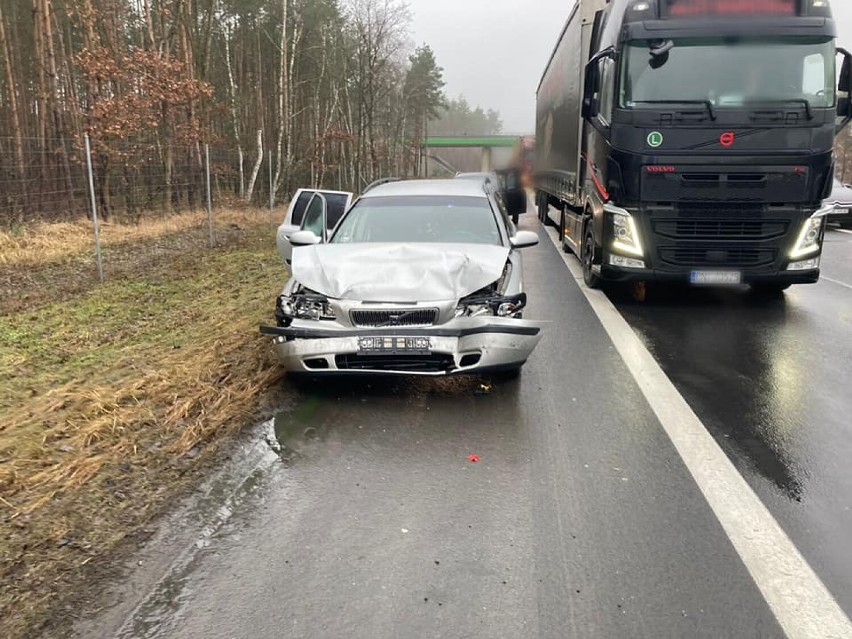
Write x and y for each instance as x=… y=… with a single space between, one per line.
x=691 y=140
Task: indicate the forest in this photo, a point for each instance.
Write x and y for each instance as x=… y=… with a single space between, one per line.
x=285 y=93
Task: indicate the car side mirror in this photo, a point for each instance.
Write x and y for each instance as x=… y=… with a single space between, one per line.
x=305 y=238
x=524 y=239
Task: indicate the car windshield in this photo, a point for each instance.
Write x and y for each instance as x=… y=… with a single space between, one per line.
x=436 y=219
x=730 y=73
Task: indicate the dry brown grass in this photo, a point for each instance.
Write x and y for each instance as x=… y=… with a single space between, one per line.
x=109 y=397
x=45 y=242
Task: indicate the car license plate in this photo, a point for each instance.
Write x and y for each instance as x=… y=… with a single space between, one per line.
x=394 y=345
x=716 y=278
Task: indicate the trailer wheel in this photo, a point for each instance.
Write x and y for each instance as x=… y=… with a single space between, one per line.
x=589 y=258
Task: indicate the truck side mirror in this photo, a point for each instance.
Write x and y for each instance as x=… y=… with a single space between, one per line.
x=844 y=85
x=591 y=86
x=591 y=102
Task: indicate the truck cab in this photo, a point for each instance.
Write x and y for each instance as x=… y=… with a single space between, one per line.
x=694 y=143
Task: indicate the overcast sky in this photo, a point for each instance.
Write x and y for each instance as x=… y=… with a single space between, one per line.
x=494 y=51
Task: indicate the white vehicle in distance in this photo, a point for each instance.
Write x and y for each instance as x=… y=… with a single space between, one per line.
x=841 y=201
x=420 y=277
x=337 y=202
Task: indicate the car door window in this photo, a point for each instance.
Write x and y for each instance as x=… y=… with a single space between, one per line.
x=336 y=208
x=300 y=206
x=314 y=214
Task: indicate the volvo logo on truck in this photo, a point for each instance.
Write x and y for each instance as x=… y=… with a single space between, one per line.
x=686 y=138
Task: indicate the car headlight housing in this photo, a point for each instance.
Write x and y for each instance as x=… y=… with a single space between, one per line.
x=303 y=304
x=479 y=305
x=625 y=234
x=810 y=238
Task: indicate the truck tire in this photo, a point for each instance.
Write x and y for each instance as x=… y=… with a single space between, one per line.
x=589 y=257
x=542 y=207
x=565 y=247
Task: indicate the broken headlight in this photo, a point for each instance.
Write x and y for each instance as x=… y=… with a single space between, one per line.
x=485 y=305
x=303 y=304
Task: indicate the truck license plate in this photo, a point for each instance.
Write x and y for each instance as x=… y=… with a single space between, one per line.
x=394 y=345
x=716 y=278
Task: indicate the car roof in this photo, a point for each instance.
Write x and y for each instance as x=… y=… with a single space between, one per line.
x=476 y=174
x=455 y=188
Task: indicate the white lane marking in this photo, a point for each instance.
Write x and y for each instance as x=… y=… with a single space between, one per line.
x=847 y=231
x=833 y=281
x=799 y=600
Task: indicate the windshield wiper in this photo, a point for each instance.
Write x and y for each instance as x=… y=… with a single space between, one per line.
x=706 y=103
x=804 y=102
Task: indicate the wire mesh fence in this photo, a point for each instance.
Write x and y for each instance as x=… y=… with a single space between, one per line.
x=128 y=184
x=48 y=180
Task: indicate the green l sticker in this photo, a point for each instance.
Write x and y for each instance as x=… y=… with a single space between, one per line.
x=655 y=139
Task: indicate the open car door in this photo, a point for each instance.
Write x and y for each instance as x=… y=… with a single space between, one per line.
x=337 y=203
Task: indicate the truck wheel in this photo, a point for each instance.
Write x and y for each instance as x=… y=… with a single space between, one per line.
x=565 y=247
x=542 y=207
x=589 y=250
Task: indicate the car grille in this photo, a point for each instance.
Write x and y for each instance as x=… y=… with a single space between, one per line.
x=718 y=255
x=395 y=317
x=721 y=229
x=396 y=363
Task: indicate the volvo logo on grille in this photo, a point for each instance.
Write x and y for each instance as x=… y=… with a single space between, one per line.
x=395 y=319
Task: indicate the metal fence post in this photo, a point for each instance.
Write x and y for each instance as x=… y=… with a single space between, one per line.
x=94 y=210
x=209 y=202
x=271 y=192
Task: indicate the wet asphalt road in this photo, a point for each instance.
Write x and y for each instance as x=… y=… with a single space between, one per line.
x=579 y=520
x=772 y=381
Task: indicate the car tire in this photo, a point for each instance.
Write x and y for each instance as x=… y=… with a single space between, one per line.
x=589 y=258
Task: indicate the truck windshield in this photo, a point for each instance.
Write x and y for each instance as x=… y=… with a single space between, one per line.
x=731 y=73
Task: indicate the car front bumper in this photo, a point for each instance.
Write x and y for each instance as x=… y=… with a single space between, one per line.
x=463 y=346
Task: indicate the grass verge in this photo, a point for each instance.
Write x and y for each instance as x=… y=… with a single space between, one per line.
x=111 y=395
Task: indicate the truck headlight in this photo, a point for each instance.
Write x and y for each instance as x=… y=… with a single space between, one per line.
x=809 y=240
x=625 y=234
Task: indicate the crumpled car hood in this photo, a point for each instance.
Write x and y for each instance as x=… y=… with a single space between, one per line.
x=398 y=272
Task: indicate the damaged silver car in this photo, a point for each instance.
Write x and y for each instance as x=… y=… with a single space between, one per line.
x=419 y=277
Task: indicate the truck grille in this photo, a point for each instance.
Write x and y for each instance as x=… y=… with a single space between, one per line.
x=727 y=229
x=718 y=255
x=395 y=317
